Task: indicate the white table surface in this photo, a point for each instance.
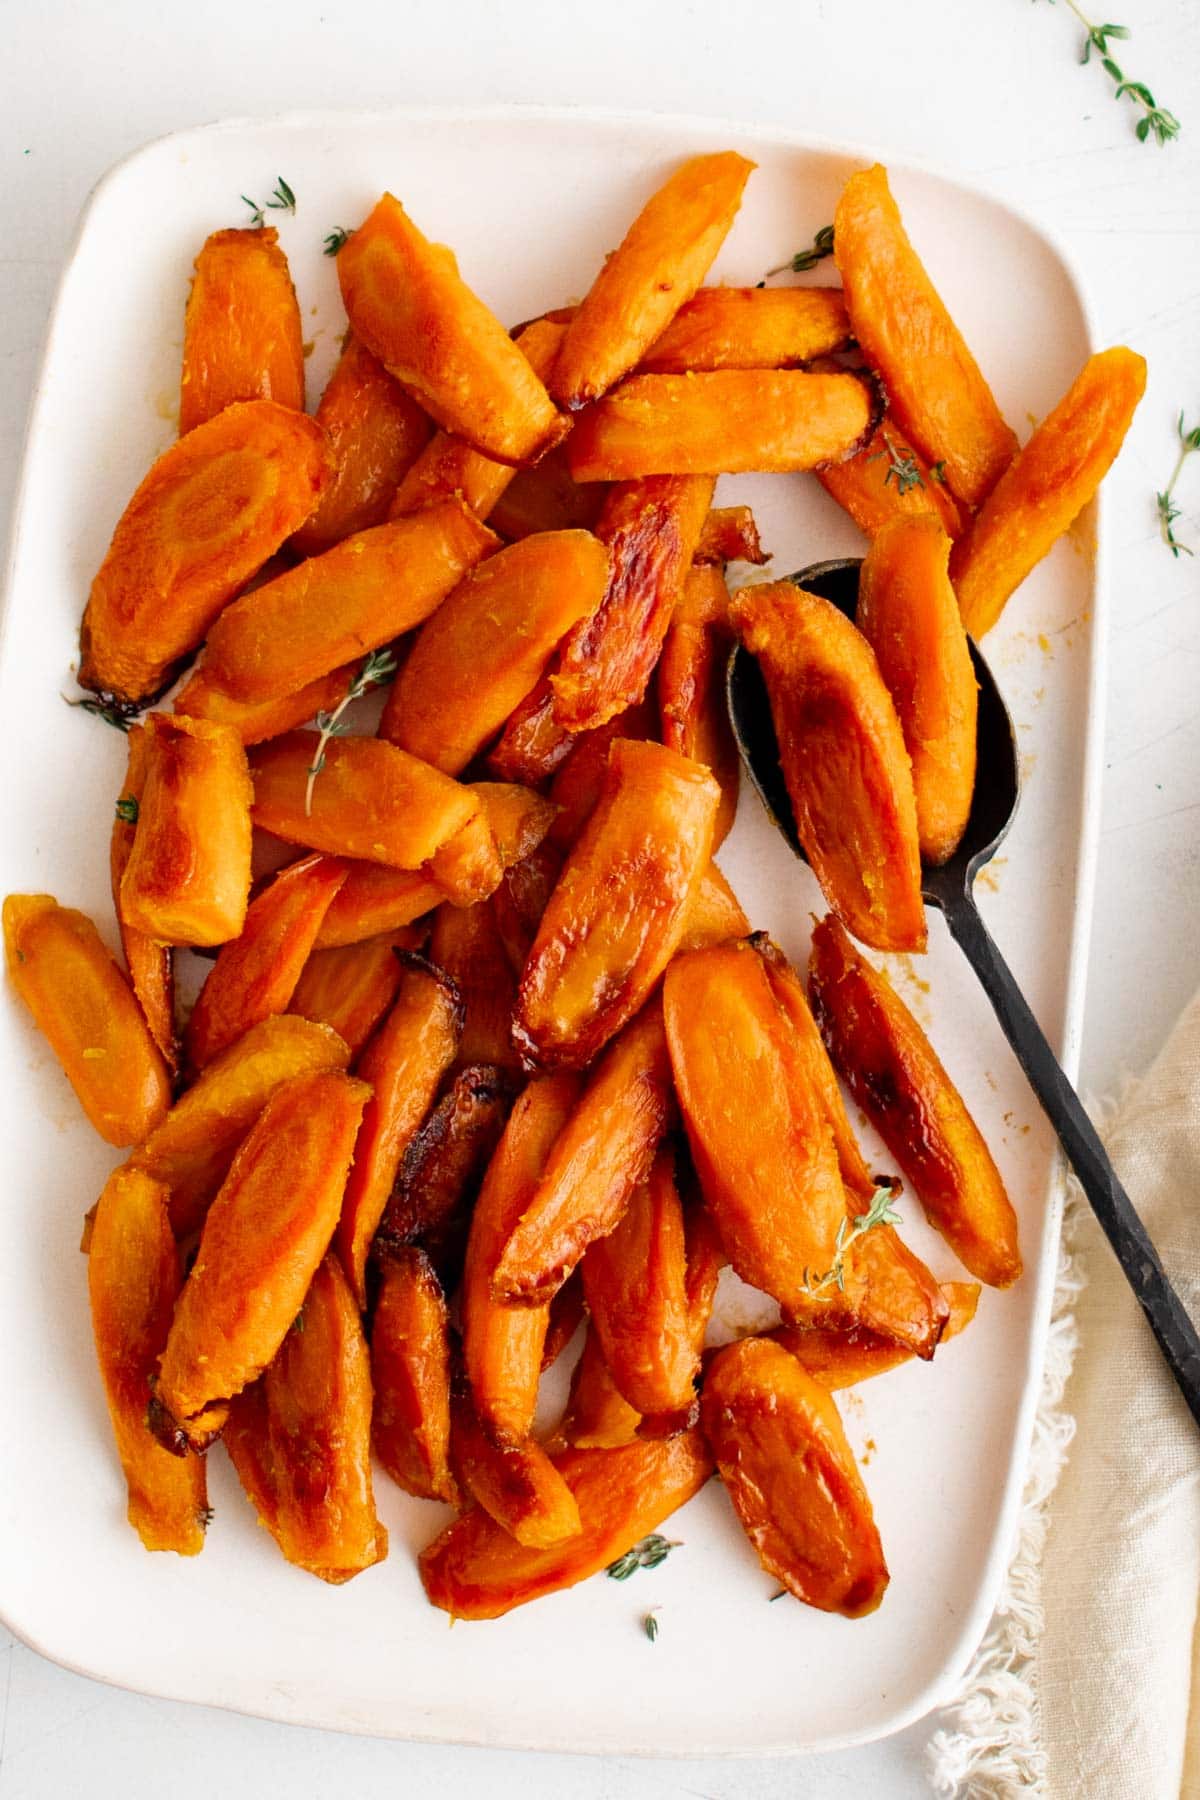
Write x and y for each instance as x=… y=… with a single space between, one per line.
x=988 y=88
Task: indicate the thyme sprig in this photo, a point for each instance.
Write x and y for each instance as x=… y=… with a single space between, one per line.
x=878 y=1213
x=336 y=239
x=379 y=667
x=1155 y=121
x=282 y=200
x=647 y=1554
x=904 y=468
x=821 y=246
x=1168 y=512
x=117 y=713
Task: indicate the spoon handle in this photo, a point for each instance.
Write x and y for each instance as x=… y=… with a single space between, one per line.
x=1168 y=1320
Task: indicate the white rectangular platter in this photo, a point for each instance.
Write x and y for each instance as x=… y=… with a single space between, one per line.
x=530 y=200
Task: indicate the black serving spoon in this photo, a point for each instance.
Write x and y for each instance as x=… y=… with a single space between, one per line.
x=997 y=790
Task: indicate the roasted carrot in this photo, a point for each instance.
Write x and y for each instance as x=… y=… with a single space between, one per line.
x=516 y=1483
x=467 y=945
x=410 y=1364
x=150 y=964
x=750 y=328
x=211 y=511
x=935 y=388
x=843 y=1358
x=691 y=686
x=241 y=330
x=257 y=720
x=547 y=499
x=578 y=781
x=598 y=1416
x=350 y=987
x=887 y=479
x=730 y=534
x=533 y=744
x=715 y=914
x=86 y=1010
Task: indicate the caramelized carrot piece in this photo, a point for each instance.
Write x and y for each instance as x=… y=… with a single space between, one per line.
x=567 y=1313
x=503 y=1344
x=451 y=465
x=410 y=1363
x=475 y=1570
x=606 y=1147
x=404 y=1062
x=211 y=511
x=133 y=1279
x=577 y=783
x=466 y=944
x=359 y=595
x=598 y=1416
x=908 y=614
x=617 y=915
x=468 y=866
x=191 y=1150
x=408 y=304
x=635 y=1284
x=894 y=1074
x=486 y=646
x=187 y=878
x=256 y=975
x=729 y=422
x=887 y=479
x=750 y=328
x=792 y=1478
x=663 y=258
x=691 y=686
x=651 y=529
x=314 y=1437
x=730 y=534
x=150 y=964
x=371 y=801
x=935 y=388
x=377 y=432
x=262 y=1242
x=715 y=914
x=844 y=760
x=533 y=743
x=241 y=329
x=257 y=720
x=1047 y=485
x=841 y=1359
x=86 y=1010
x=516 y=1483
x=350 y=987
x=547 y=499
x=705 y=1256
x=376 y=899
x=521 y=899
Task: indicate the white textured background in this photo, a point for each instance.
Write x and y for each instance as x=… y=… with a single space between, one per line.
x=986 y=88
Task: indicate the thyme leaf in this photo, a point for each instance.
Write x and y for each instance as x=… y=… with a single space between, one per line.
x=647 y=1554
x=821 y=246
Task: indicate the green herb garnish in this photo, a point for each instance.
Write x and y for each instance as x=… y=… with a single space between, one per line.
x=821 y=246
x=127 y=810
x=336 y=239
x=650 y=1626
x=904 y=468
x=644 y=1555
x=282 y=200
x=878 y=1213
x=1168 y=512
x=1155 y=121
x=379 y=667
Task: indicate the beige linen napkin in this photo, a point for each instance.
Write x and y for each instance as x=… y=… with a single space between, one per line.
x=1088 y=1685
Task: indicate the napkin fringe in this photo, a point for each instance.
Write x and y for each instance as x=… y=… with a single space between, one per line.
x=989 y=1747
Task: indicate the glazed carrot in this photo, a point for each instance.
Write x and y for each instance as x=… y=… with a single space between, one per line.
x=410 y=1363
x=466 y=944
x=620 y=906
x=484 y=649
x=662 y=260
x=85 y=1009
x=730 y=534
x=792 y=1478
x=887 y=479
x=1047 y=485
x=894 y=1074
x=651 y=529
x=377 y=432
x=578 y=781
x=468 y=866
x=350 y=987
x=211 y=511
x=502 y=1343
x=635 y=1284
x=451 y=465
x=841 y=1358
x=307 y=1427
x=598 y=1416
x=408 y=304
x=533 y=744
x=257 y=720
x=150 y=964
x=516 y=1483
x=715 y=914
x=256 y=975
x=847 y=770
x=691 y=686
x=475 y=1570
x=729 y=422
x=370 y=801
x=357 y=596
x=187 y=879
x=241 y=329
x=750 y=328
x=935 y=388
x=606 y=1147
x=133 y=1279
x=908 y=614
x=520 y=900
x=262 y=1242
x=404 y=1062
x=547 y=499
